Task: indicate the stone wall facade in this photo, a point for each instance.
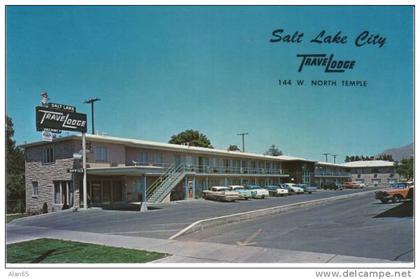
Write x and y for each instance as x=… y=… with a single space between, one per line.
x=44 y=174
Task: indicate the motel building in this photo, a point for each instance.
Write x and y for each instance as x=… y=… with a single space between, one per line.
x=331 y=174
x=120 y=171
x=376 y=172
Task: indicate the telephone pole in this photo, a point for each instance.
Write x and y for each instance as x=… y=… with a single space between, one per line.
x=92 y=101
x=243 y=140
x=326 y=156
x=334 y=156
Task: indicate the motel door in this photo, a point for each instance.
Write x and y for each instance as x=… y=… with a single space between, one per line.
x=106 y=191
x=96 y=192
x=177 y=160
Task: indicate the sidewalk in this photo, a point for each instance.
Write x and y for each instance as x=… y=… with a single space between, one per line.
x=186 y=251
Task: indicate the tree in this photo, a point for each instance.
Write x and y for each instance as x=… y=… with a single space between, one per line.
x=191 y=137
x=233 y=147
x=385 y=157
x=15 y=166
x=273 y=151
x=405 y=168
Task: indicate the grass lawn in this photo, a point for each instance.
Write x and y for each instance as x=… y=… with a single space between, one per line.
x=12 y=217
x=59 y=251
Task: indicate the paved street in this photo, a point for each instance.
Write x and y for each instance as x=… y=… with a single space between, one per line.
x=359 y=227
x=356 y=229
x=159 y=223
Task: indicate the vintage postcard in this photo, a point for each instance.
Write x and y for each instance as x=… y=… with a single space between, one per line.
x=210 y=136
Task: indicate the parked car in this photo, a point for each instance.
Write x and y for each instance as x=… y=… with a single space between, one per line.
x=396 y=193
x=221 y=193
x=292 y=188
x=244 y=193
x=275 y=190
x=361 y=185
x=353 y=185
x=258 y=192
x=308 y=188
x=332 y=186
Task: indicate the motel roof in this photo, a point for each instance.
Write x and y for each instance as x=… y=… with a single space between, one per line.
x=331 y=164
x=365 y=164
x=168 y=147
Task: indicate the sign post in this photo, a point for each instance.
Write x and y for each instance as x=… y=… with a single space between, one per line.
x=85 y=205
x=52 y=118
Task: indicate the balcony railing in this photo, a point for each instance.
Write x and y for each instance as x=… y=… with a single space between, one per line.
x=219 y=169
x=329 y=173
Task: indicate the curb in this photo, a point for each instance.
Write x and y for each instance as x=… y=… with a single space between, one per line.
x=242 y=216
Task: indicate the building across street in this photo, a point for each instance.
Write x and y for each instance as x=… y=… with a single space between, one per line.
x=121 y=171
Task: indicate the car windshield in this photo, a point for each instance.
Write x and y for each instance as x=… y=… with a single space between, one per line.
x=399 y=185
x=253 y=187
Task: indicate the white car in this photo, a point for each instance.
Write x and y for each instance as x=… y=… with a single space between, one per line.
x=361 y=185
x=258 y=192
x=293 y=188
x=244 y=193
x=276 y=191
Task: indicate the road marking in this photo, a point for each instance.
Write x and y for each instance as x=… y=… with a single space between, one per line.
x=249 y=239
x=133 y=232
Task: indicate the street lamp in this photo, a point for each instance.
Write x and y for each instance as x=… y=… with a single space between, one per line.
x=92 y=101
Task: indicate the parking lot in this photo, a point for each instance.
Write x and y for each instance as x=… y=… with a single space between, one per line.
x=159 y=223
x=358 y=226
x=361 y=227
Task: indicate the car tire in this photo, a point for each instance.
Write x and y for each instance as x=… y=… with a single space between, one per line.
x=396 y=199
x=263 y=197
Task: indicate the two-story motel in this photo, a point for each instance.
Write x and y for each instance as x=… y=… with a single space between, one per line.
x=120 y=170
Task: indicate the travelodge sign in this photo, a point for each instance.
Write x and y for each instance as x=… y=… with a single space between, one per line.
x=60 y=119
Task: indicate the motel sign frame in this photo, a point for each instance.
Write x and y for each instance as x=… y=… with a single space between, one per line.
x=57 y=117
x=60 y=119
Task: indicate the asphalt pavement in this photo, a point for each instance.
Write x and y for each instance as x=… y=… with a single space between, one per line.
x=158 y=223
x=360 y=227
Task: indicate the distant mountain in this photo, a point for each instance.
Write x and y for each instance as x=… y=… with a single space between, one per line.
x=401 y=152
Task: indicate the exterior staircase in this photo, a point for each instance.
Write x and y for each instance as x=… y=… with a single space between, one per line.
x=162 y=186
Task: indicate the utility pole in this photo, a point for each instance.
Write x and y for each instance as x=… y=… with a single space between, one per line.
x=334 y=156
x=92 y=101
x=243 y=140
x=326 y=156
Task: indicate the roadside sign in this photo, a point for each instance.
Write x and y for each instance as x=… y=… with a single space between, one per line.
x=48 y=118
x=75 y=170
x=62 y=107
x=47 y=136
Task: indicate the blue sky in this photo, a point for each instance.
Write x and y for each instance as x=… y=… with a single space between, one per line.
x=161 y=70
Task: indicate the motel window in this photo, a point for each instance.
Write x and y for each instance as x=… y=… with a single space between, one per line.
x=144 y=157
x=34 y=188
x=57 y=190
x=63 y=192
x=101 y=154
x=47 y=155
x=159 y=158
